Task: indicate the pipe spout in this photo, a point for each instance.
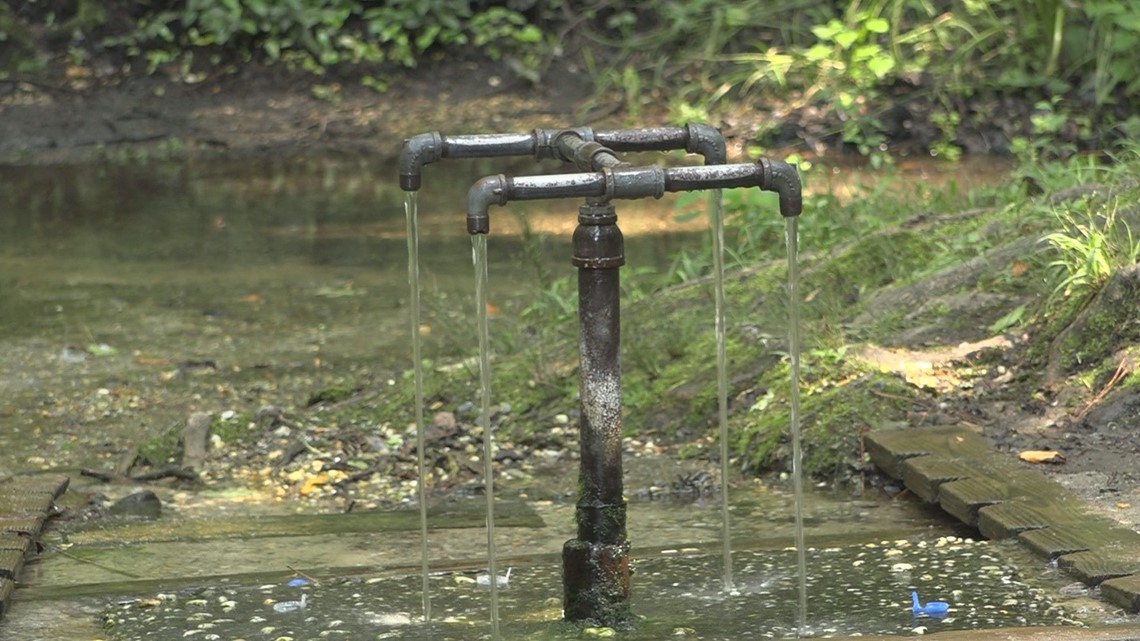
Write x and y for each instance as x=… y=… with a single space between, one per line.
x=418 y=151
x=783 y=179
x=491 y=190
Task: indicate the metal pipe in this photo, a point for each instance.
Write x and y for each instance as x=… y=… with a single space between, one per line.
x=596 y=562
x=783 y=179
x=583 y=153
x=694 y=138
x=624 y=182
x=427 y=148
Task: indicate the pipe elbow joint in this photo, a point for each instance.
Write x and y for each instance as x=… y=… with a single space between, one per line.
x=418 y=151
x=488 y=191
x=707 y=141
x=783 y=179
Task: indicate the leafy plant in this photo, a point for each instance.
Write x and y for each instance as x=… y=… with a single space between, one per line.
x=1091 y=245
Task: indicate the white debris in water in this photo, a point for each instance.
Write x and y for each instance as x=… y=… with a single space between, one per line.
x=292 y=606
x=484 y=580
x=390 y=618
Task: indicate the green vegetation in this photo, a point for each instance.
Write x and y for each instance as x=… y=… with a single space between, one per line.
x=875 y=270
x=888 y=260
x=871 y=73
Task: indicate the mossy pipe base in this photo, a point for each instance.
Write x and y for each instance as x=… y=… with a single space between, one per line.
x=595 y=580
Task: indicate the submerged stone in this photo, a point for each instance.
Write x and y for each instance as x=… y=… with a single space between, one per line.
x=144 y=504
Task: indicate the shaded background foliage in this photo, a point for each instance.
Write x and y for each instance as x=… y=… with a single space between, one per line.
x=876 y=69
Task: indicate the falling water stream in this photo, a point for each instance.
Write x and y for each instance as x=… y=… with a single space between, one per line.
x=716 y=215
x=791 y=236
x=479 y=257
x=411 y=213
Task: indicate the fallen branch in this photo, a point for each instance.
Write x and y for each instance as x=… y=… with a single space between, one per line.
x=1122 y=370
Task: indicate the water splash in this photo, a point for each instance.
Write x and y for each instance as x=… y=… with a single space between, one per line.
x=716 y=215
x=479 y=258
x=791 y=238
x=411 y=213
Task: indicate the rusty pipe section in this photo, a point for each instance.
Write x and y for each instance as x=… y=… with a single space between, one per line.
x=427 y=148
x=596 y=570
x=625 y=182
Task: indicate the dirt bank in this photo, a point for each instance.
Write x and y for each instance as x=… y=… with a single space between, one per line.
x=262 y=110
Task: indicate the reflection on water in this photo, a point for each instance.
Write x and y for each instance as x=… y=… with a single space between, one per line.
x=87 y=247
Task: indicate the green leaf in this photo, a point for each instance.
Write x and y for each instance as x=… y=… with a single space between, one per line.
x=881 y=65
x=846 y=38
x=818 y=52
x=1009 y=320
x=877 y=25
x=828 y=31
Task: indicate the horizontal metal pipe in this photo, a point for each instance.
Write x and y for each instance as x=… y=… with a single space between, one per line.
x=427 y=148
x=713 y=177
x=648 y=139
x=488 y=145
x=694 y=138
x=624 y=182
x=430 y=147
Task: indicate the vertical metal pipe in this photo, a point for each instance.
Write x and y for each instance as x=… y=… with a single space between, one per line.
x=596 y=563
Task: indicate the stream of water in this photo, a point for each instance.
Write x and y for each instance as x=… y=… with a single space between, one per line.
x=716 y=218
x=479 y=257
x=791 y=236
x=411 y=213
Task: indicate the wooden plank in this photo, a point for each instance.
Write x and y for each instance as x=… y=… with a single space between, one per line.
x=52 y=484
x=11 y=561
x=1093 y=567
x=1007 y=520
x=962 y=499
x=923 y=474
x=466 y=514
x=7 y=587
x=889 y=449
x=888 y=456
x=29 y=525
x=1124 y=592
x=26 y=503
x=1052 y=542
x=9 y=541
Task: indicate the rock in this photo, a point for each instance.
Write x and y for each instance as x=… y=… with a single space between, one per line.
x=144 y=504
x=444 y=421
x=443 y=425
x=195 y=437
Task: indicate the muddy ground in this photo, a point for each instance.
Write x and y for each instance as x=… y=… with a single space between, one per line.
x=258 y=111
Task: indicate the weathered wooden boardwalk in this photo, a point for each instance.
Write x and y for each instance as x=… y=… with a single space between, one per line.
x=1003 y=499
x=26 y=502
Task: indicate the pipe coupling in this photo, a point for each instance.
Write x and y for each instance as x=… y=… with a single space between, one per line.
x=598 y=241
x=634 y=182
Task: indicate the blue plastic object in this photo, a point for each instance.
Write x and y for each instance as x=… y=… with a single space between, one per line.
x=297 y=582
x=932 y=608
